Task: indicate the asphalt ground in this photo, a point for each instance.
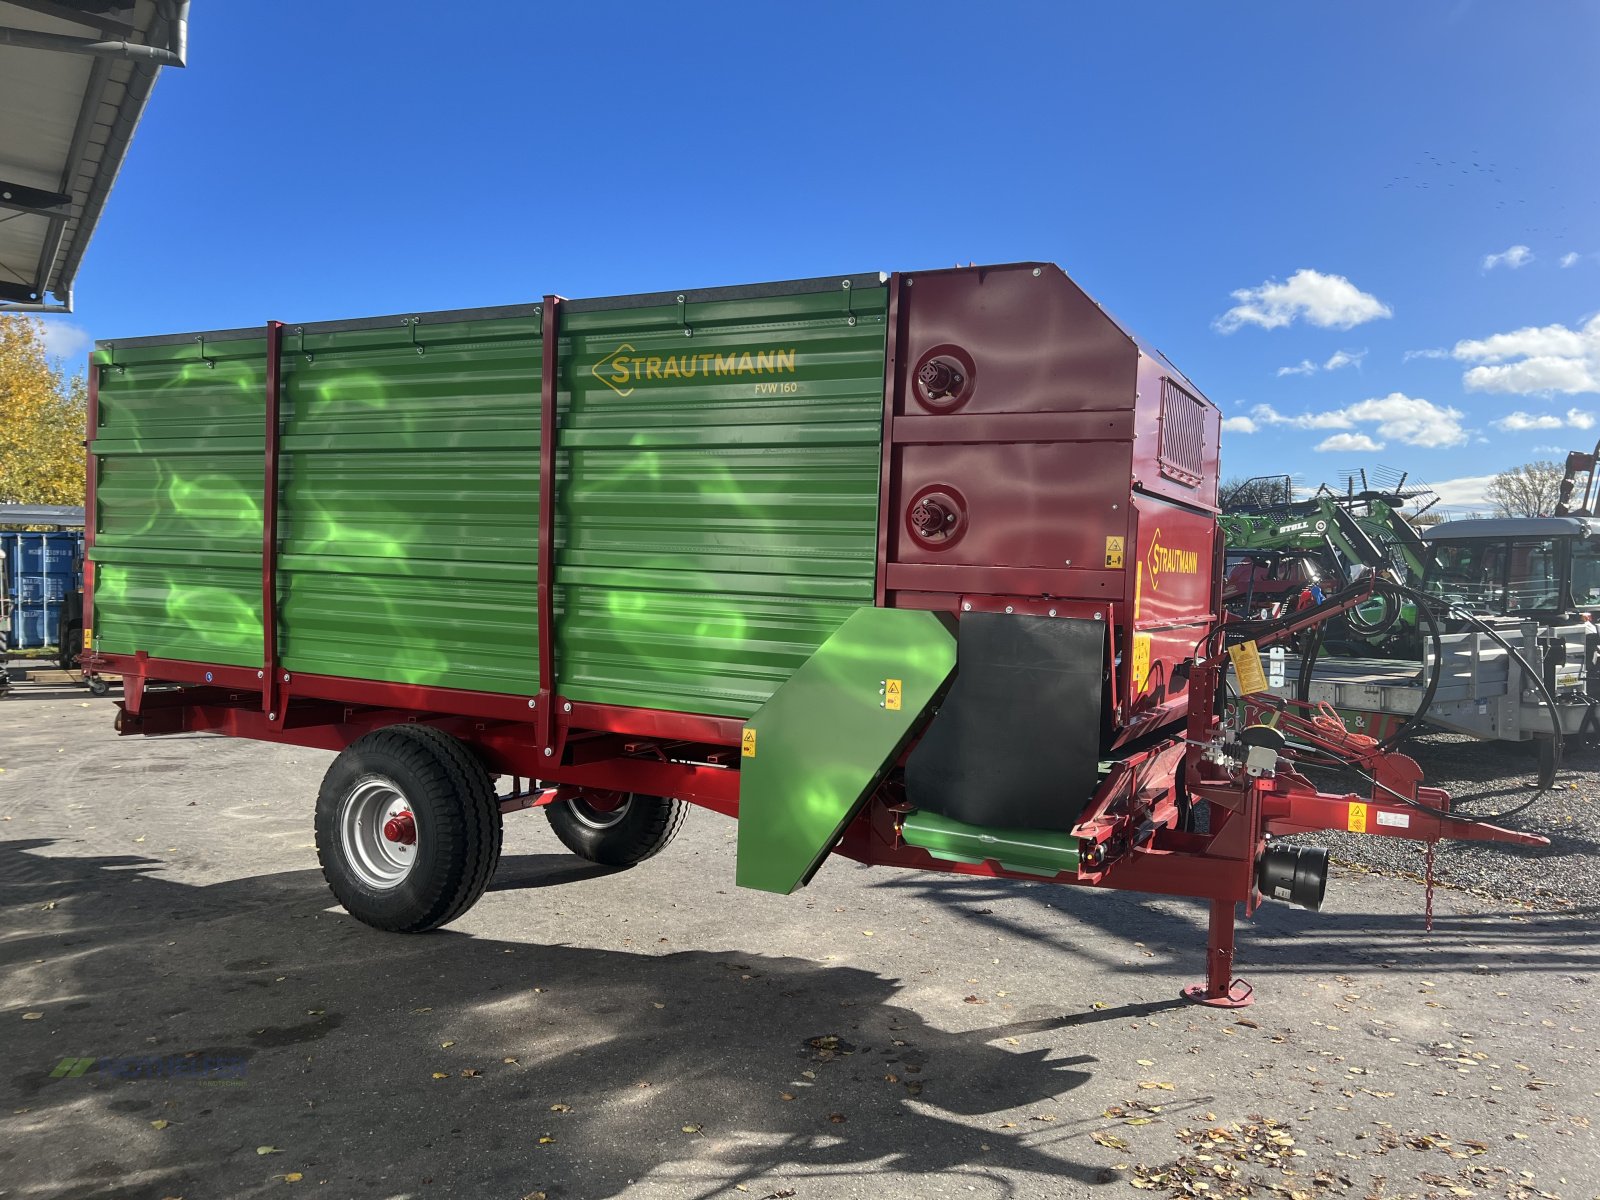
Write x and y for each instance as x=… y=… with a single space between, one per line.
x=658 y=1032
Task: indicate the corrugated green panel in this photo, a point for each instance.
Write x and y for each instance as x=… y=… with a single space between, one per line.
x=718 y=502
x=410 y=504
x=178 y=502
x=814 y=751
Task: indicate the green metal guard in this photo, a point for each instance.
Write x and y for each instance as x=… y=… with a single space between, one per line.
x=813 y=753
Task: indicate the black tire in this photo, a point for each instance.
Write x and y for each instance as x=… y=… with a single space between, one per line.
x=98 y=685
x=71 y=648
x=457 y=827
x=620 y=837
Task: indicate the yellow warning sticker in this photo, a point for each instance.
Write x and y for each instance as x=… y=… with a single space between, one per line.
x=1114 y=552
x=892 y=692
x=747 y=743
x=88 y=638
x=1356 y=822
x=1247 y=667
x=1141 y=661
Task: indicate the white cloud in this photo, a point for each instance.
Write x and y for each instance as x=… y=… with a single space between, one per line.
x=1238 y=425
x=1516 y=256
x=1407 y=419
x=1339 y=358
x=1349 y=441
x=1265 y=414
x=63 y=339
x=1550 y=358
x=1329 y=301
x=1465 y=494
x=1519 y=422
x=1570 y=259
x=1410 y=354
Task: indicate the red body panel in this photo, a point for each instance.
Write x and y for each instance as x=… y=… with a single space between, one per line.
x=1049 y=453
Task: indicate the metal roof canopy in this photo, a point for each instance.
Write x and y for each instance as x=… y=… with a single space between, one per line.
x=74 y=79
x=70 y=515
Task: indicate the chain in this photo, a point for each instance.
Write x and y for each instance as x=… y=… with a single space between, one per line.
x=1427 y=904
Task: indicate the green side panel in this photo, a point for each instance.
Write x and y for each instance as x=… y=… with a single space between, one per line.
x=177 y=551
x=409 y=511
x=718 y=493
x=1026 y=851
x=827 y=736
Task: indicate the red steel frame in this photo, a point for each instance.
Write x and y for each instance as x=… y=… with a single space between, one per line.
x=1130 y=830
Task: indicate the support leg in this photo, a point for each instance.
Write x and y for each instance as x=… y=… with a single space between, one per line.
x=1221 y=989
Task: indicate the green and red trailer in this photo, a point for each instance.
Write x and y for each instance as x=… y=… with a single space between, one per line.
x=921 y=569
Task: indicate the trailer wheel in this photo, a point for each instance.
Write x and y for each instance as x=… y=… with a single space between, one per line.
x=616 y=829
x=71 y=648
x=408 y=828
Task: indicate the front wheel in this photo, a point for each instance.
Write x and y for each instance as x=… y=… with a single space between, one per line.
x=408 y=828
x=616 y=829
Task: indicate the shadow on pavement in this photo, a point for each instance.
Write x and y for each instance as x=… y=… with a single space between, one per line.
x=397 y=1066
x=1278 y=939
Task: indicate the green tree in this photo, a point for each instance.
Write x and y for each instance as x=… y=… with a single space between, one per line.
x=1526 y=491
x=41 y=419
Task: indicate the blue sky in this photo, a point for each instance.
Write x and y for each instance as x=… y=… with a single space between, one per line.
x=1369 y=231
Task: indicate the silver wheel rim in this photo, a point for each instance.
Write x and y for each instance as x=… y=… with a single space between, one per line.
x=378 y=861
x=594 y=818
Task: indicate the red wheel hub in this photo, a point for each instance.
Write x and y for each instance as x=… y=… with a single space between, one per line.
x=402 y=828
x=603 y=801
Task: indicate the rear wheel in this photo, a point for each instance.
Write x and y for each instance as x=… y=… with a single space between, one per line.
x=71 y=648
x=616 y=829
x=408 y=828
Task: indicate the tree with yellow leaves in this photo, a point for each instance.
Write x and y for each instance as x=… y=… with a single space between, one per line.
x=41 y=419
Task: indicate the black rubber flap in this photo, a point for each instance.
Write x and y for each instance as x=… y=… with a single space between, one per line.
x=1016 y=743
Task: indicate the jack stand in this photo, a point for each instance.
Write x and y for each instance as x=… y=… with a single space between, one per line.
x=1220 y=990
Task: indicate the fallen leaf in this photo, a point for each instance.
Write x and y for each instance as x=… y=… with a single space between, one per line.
x=1110 y=1140
x=1099 y=1004
x=1043 y=1117
x=785 y=1095
x=1137 y=1121
x=973 y=1000
x=1151 y=1085
x=561 y=1108
x=291 y=1177
x=511 y=1062
x=866 y=933
x=441 y=1075
x=445 y=1045
x=32 y=1016
x=268 y=1150
x=472 y=1072
x=1145 y=1062
x=658 y=1004
x=837 y=1118
x=545 y=1141
x=159 y=1124
x=693 y=1128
